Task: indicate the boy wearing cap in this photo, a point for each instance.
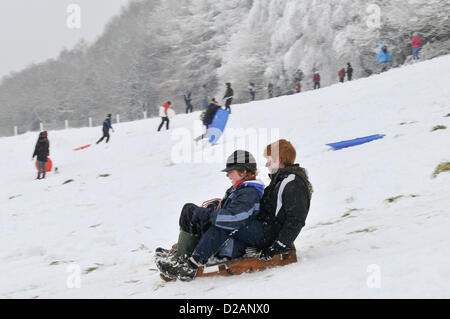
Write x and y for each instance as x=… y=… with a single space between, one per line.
x=224 y=227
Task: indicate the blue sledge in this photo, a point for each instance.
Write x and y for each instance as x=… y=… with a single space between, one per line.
x=356 y=141
x=217 y=126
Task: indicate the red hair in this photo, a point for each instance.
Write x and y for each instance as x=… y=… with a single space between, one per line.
x=281 y=150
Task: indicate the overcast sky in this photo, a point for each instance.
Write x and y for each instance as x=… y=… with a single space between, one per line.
x=35 y=30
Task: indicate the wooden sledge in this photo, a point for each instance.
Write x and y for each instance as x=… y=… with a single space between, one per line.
x=243 y=265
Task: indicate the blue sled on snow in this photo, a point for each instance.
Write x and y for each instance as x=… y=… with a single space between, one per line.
x=356 y=141
x=217 y=126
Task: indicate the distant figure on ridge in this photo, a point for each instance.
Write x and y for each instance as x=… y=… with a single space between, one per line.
x=341 y=75
x=164 y=115
x=384 y=58
x=228 y=97
x=349 y=71
x=252 y=89
x=417 y=44
x=270 y=90
x=316 y=80
x=187 y=100
x=106 y=127
x=298 y=87
x=42 y=151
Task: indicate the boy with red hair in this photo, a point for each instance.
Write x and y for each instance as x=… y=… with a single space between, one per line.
x=286 y=201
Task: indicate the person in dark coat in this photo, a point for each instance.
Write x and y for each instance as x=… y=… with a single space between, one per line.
x=187 y=100
x=252 y=90
x=286 y=201
x=42 y=151
x=349 y=71
x=270 y=90
x=106 y=127
x=208 y=117
x=228 y=97
x=223 y=228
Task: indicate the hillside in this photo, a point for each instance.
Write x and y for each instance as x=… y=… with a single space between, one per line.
x=374 y=204
x=155 y=50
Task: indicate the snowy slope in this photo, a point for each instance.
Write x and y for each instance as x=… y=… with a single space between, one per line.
x=109 y=226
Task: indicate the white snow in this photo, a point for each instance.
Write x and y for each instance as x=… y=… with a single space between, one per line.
x=48 y=228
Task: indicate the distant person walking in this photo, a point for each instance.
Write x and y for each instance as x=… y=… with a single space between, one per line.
x=341 y=75
x=417 y=44
x=106 y=127
x=298 y=87
x=187 y=100
x=164 y=115
x=228 y=97
x=384 y=58
x=208 y=117
x=316 y=80
x=270 y=90
x=349 y=71
x=42 y=151
x=252 y=89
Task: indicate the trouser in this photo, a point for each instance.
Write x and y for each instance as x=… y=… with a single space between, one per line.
x=105 y=134
x=164 y=119
x=252 y=95
x=316 y=85
x=228 y=104
x=341 y=80
x=188 y=107
x=205 y=103
x=186 y=223
x=415 y=53
x=41 y=167
x=385 y=66
x=228 y=243
x=349 y=76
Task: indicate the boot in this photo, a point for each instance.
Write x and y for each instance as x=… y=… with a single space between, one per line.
x=43 y=175
x=186 y=245
x=184 y=270
x=39 y=176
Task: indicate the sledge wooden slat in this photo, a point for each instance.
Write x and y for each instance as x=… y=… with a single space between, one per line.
x=240 y=266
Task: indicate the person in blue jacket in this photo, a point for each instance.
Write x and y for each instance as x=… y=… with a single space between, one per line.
x=384 y=58
x=106 y=127
x=223 y=228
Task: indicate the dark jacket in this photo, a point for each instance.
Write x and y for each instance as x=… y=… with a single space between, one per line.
x=41 y=150
x=228 y=93
x=285 y=205
x=237 y=207
x=210 y=112
x=107 y=124
x=349 y=70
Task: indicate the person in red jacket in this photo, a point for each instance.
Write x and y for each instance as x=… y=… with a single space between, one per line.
x=417 y=44
x=341 y=75
x=316 y=80
x=164 y=115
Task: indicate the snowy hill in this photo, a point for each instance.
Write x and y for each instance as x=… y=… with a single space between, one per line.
x=376 y=210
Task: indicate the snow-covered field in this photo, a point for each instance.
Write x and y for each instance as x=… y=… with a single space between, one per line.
x=356 y=243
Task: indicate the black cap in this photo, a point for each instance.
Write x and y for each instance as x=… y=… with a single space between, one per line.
x=240 y=160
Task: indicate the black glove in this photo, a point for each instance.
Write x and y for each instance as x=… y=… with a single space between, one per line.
x=276 y=249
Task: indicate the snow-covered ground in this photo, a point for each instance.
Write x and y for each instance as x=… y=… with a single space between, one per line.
x=356 y=243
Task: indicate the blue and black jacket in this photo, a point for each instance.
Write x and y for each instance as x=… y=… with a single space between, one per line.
x=237 y=207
